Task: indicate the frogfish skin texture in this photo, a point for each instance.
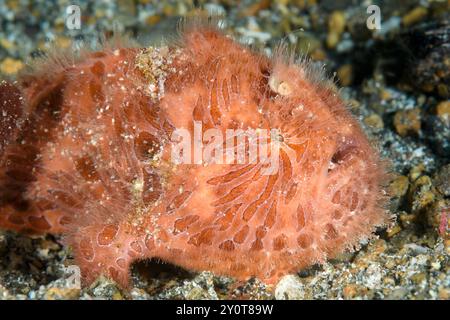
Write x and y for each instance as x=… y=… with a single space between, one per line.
x=85 y=152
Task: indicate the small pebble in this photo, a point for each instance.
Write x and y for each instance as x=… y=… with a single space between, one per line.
x=407 y=122
x=374 y=121
x=414 y=16
x=289 y=288
x=345 y=74
x=336 y=25
x=443 y=111
x=10 y=66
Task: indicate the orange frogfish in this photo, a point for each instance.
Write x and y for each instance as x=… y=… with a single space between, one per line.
x=203 y=153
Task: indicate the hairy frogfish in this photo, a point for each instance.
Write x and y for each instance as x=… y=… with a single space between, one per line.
x=89 y=149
